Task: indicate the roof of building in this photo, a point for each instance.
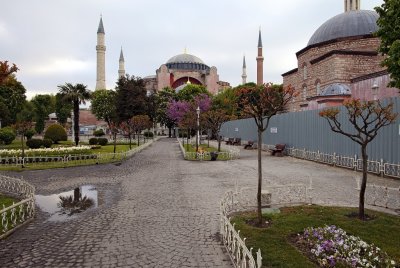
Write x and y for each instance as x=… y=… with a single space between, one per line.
x=101 y=27
x=87 y=118
x=352 y=23
x=185 y=58
x=336 y=89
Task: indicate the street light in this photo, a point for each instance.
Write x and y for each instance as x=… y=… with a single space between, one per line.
x=375 y=88
x=198 y=128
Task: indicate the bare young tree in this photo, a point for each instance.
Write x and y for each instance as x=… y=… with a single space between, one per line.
x=367 y=118
x=262 y=103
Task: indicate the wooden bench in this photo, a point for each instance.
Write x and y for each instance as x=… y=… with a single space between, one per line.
x=229 y=141
x=237 y=141
x=249 y=145
x=278 y=150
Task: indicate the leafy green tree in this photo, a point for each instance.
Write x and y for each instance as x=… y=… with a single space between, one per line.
x=103 y=104
x=76 y=95
x=7 y=135
x=12 y=94
x=389 y=32
x=43 y=105
x=262 y=103
x=131 y=97
x=63 y=109
x=213 y=120
x=367 y=118
x=190 y=91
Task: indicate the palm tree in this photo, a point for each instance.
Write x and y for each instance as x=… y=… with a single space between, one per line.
x=75 y=94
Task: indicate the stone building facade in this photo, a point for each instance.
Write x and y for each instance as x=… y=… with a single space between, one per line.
x=342 y=51
x=182 y=68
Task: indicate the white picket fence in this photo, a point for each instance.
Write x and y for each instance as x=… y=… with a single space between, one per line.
x=378 y=167
x=229 y=153
x=60 y=161
x=18 y=214
x=244 y=200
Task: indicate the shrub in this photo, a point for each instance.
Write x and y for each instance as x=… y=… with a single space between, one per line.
x=93 y=141
x=34 y=143
x=47 y=143
x=98 y=133
x=55 y=133
x=102 y=141
x=29 y=134
x=182 y=135
x=7 y=135
x=148 y=134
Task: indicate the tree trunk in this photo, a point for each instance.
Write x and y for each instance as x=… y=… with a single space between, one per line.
x=115 y=141
x=259 y=214
x=76 y=122
x=23 y=149
x=77 y=194
x=187 y=138
x=361 y=213
x=130 y=140
x=138 y=139
x=219 y=142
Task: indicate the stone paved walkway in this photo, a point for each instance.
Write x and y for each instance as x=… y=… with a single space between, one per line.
x=156 y=210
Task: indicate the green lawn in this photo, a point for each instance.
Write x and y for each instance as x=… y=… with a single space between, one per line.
x=191 y=148
x=6 y=201
x=383 y=231
x=106 y=157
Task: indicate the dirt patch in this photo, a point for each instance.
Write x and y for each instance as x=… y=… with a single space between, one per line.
x=266 y=223
x=354 y=215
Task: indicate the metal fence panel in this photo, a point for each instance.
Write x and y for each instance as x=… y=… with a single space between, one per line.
x=310 y=131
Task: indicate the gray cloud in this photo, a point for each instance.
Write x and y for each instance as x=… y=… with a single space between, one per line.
x=53 y=42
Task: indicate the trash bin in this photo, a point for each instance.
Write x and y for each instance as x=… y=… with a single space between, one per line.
x=214 y=156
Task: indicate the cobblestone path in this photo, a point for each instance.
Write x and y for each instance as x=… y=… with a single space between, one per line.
x=157 y=210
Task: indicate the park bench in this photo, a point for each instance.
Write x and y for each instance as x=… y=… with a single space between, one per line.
x=278 y=150
x=249 y=145
x=229 y=141
x=237 y=141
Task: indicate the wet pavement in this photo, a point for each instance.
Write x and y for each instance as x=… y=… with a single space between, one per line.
x=157 y=210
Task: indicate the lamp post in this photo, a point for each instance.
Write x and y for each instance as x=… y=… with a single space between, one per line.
x=375 y=88
x=198 y=128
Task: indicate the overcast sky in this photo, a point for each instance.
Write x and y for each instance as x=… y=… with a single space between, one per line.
x=53 y=42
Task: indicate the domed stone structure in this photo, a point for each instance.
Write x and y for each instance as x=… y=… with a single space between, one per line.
x=348 y=24
x=340 y=58
x=180 y=69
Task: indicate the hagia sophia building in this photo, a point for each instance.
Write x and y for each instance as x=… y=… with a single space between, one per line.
x=339 y=62
x=175 y=73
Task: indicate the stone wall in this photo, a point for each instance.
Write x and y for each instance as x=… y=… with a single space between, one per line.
x=333 y=62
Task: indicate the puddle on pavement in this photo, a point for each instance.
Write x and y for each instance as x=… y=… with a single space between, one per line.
x=67 y=205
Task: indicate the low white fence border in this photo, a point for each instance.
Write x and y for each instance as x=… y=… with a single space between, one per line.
x=95 y=158
x=230 y=154
x=19 y=214
x=378 y=167
x=245 y=200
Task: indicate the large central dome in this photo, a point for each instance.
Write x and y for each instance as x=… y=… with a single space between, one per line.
x=185 y=58
x=186 y=62
x=352 y=23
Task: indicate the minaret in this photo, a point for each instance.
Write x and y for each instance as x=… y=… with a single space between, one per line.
x=260 y=60
x=101 y=57
x=121 y=70
x=244 y=75
x=350 y=5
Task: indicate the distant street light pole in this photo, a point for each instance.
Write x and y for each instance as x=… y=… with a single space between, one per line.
x=198 y=128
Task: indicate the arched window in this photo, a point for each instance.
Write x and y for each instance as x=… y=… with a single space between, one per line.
x=318 y=87
x=304 y=92
x=304 y=71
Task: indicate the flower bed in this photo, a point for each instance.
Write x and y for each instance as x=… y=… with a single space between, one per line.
x=47 y=151
x=331 y=246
